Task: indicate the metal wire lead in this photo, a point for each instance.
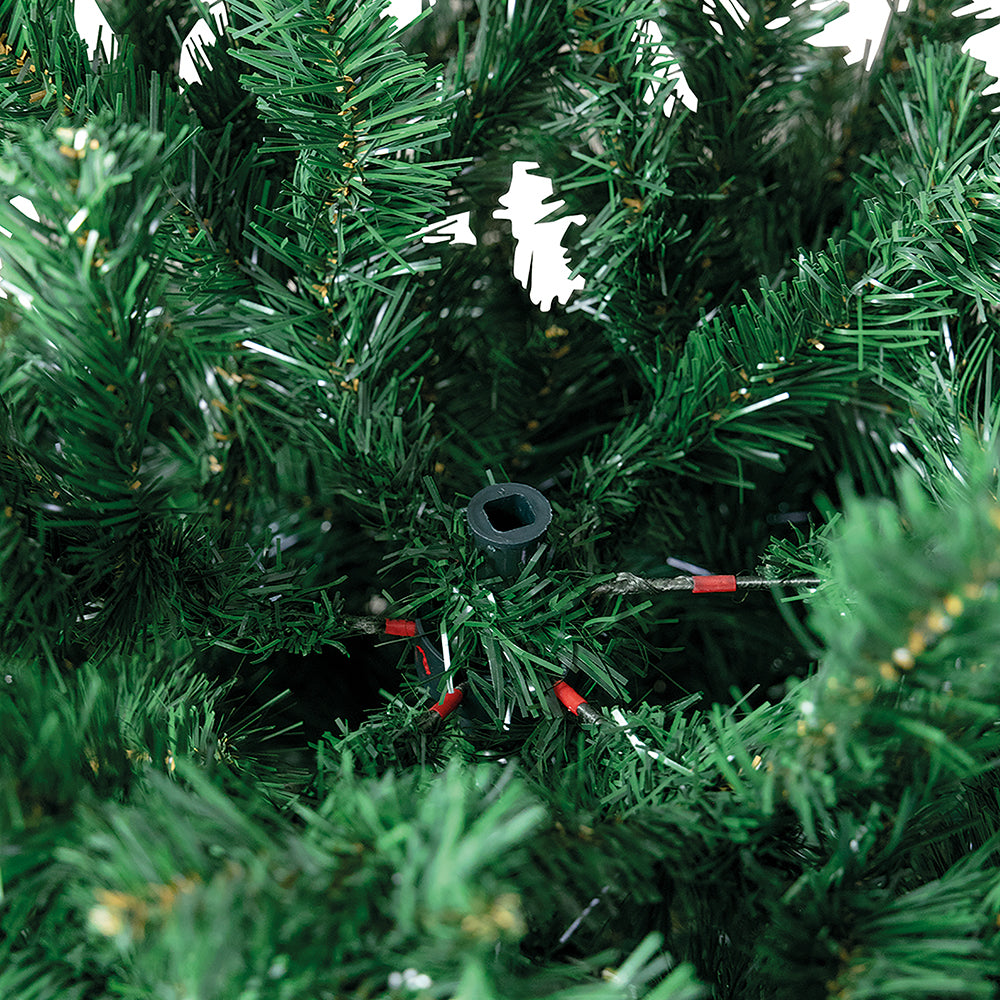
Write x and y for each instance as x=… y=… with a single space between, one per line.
x=629 y=583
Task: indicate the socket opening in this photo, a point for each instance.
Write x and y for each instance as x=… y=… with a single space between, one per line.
x=509 y=513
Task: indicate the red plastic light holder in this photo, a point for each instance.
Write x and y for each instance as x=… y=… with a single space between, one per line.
x=714 y=584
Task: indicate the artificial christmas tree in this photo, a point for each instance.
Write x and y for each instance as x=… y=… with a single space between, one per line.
x=265 y=446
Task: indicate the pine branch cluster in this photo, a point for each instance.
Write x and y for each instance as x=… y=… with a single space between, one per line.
x=244 y=404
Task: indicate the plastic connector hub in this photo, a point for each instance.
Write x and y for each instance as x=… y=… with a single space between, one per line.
x=508 y=521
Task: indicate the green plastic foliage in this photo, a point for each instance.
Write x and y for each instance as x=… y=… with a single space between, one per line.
x=80 y=733
x=864 y=803
x=154 y=29
x=515 y=638
x=939 y=120
x=80 y=371
x=358 y=112
x=54 y=748
x=423 y=866
x=683 y=208
x=950 y=919
x=905 y=693
x=866 y=941
x=444 y=854
x=931 y=205
x=43 y=62
x=109 y=472
x=949 y=22
x=621 y=171
x=748 y=389
x=492 y=60
x=48 y=76
x=226 y=369
x=72 y=742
